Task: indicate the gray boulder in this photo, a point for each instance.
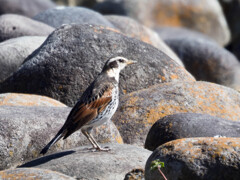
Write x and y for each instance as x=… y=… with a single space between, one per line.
x=25 y=7
x=84 y=164
x=24 y=131
x=132 y=28
x=14 y=51
x=18 y=99
x=186 y=125
x=12 y=26
x=139 y=110
x=67 y=15
x=73 y=55
x=33 y=173
x=199 y=15
x=204 y=59
x=198 y=159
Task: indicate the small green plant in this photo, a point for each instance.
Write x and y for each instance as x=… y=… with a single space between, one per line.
x=157 y=164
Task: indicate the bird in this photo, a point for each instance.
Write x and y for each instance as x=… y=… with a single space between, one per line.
x=96 y=106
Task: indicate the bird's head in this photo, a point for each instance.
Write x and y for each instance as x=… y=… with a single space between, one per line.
x=114 y=65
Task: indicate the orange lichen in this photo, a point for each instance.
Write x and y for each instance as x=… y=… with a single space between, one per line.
x=18 y=99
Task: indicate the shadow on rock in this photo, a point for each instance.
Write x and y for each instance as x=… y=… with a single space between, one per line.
x=45 y=159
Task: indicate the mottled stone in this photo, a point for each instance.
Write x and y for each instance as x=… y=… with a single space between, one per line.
x=198 y=159
x=24 y=131
x=32 y=173
x=139 y=110
x=18 y=99
x=132 y=28
x=186 y=125
x=203 y=58
x=73 y=55
x=201 y=15
x=85 y=164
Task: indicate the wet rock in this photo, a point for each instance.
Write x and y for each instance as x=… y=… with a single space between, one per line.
x=33 y=173
x=12 y=26
x=139 y=110
x=197 y=158
x=14 y=51
x=25 y=7
x=84 y=164
x=200 y=15
x=73 y=55
x=66 y=15
x=132 y=28
x=186 y=125
x=17 y=99
x=24 y=131
x=204 y=59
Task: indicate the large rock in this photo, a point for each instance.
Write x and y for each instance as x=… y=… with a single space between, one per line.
x=139 y=110
x=32 y=173
x=201 y=15
x=206 y=60
x=186 y=125
x=84 y=164
x=14 y=51
x=198 y=159
x=73 y=55
x=12 y=26
x=66 y=15
x=25 y=7
x=24 y=131
x=17 y=99
x=132 y=28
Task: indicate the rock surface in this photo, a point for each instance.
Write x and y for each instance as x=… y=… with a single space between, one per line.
x=84 y=164
x=204 y=59
x=14 y=51
x=173 y=33
x=32 y=173
x=139 y=110
x=200 y=15
x=186 y=125
x=24 y=131
x=12 y=26
x=132 y=28
x=197 y=158
x=17 y=99
x=66 y=15
x=25 y=7
x=73 y=55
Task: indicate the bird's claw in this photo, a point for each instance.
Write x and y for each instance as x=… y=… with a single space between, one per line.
x=106 y=149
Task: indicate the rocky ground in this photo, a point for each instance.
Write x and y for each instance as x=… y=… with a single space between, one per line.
x=179 y=105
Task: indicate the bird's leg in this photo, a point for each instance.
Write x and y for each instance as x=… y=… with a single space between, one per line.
x=89 y=138
x=98 y=148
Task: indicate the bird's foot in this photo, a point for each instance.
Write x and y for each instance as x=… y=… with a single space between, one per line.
x=106 y=149
x=93 y=149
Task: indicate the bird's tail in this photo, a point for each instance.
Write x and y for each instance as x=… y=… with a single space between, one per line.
x=52 y=142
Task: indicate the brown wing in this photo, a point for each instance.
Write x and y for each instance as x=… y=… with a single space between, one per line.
x=84 y=112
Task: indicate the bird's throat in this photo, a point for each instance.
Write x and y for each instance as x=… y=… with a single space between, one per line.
x=114 y=73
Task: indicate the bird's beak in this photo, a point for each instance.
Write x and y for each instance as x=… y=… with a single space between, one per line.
x=131 y=62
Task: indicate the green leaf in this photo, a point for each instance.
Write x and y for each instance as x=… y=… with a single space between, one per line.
x=155 y=164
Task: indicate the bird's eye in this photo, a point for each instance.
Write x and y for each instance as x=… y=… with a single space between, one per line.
x=121 y=60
